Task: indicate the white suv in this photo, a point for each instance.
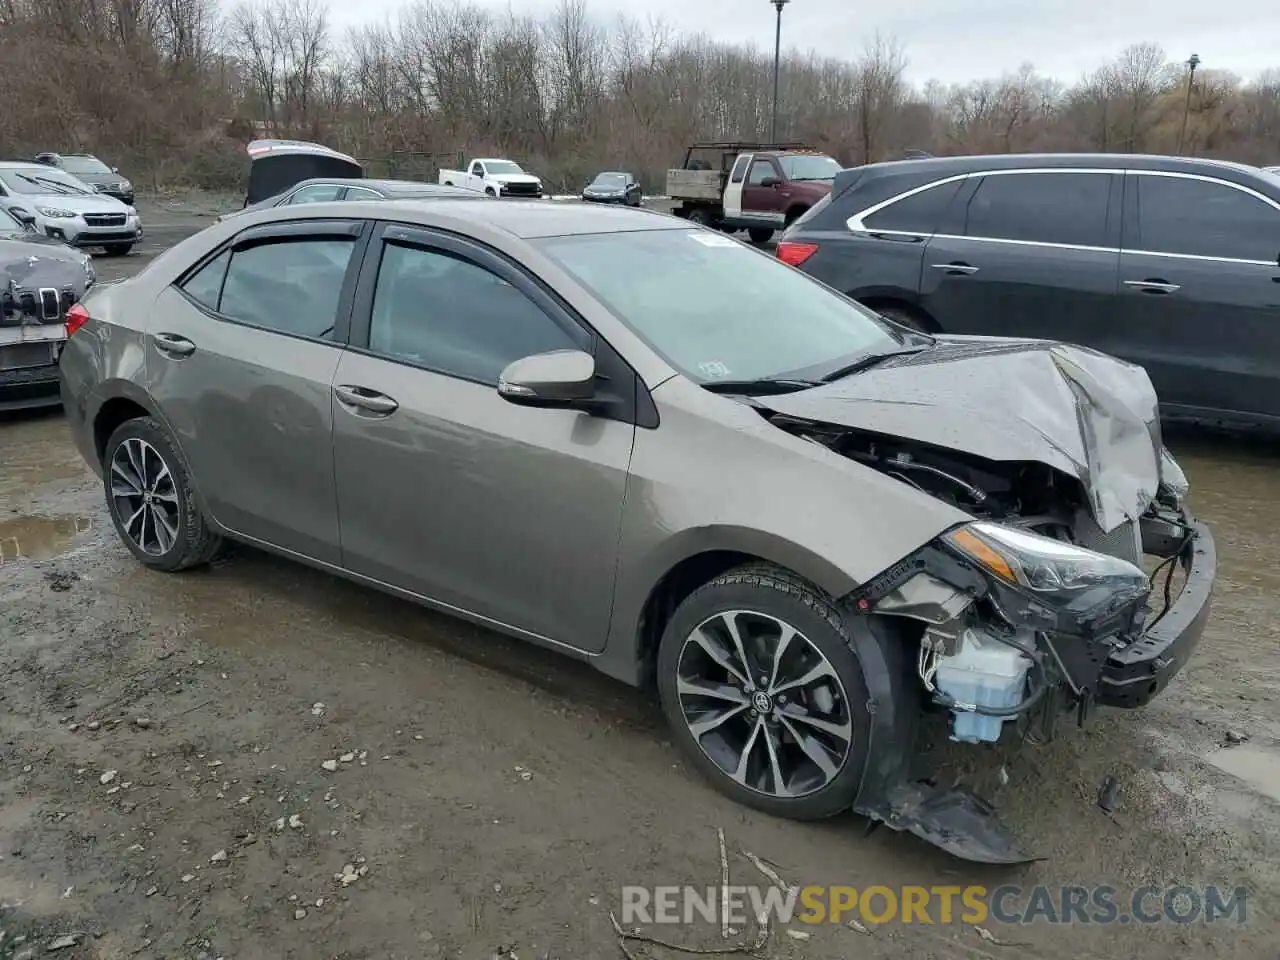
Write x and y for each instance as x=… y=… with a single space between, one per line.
x=68 y=209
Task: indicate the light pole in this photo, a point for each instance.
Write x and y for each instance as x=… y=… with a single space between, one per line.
x=1192 y=62
x=777 y=56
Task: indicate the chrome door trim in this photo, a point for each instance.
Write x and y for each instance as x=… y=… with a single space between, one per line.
x=855 y=223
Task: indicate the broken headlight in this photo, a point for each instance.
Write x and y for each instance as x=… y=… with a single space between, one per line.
x=1043 y=565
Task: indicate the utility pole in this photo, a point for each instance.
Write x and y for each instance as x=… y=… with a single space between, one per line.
x=777 y=57
x=1192 y=63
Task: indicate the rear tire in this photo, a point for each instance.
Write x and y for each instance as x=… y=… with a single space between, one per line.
x=760 y=234
x=118 y=249
x=701 y=216
x=829 y=712
x=150 y=498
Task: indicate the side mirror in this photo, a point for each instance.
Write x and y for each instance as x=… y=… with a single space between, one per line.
x=115 y=169
x=560 y=378
x=770 y=182
x=24 y=217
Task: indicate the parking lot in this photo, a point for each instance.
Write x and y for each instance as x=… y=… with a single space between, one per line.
x=164 y=790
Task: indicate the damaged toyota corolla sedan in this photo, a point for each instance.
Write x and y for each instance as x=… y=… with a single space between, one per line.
x=672 y=456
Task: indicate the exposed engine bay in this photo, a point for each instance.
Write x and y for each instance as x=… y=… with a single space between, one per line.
x=1038 y=602
x=987 y=667
x=1028 y=614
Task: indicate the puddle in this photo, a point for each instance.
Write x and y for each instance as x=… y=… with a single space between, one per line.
x=1257 y=767
x=39 y=538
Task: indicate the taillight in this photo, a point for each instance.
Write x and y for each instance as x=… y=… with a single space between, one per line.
x=793 y=253
x=77 y=317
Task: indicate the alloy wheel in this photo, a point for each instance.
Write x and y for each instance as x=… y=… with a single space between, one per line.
x=764 y=704
x=145 y=498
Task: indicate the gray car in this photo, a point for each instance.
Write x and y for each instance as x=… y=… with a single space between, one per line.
x=653 y=448
x=41 y=279
x=89 y=169
x=326 y=189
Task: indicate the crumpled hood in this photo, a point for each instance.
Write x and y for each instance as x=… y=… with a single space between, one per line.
x=24 y=243
x=1083 y=412
x=32 y=263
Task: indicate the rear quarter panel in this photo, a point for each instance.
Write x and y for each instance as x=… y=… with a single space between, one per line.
x=105 y=359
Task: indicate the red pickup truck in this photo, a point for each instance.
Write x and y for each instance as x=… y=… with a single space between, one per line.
x=757 y=187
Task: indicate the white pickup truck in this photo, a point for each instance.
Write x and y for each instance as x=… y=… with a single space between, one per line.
x=497 y=178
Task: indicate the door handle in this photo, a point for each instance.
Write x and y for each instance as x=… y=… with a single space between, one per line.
x=1153 y=286
x=365 y=399
x=174 y=345
x=955 y=269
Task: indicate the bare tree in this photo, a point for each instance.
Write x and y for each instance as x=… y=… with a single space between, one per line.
x=172 y=88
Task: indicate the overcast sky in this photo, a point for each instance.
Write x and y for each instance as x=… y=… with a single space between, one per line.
x=954 y=40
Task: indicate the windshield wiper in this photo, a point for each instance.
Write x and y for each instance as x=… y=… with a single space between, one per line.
x=867 y=361
x=63 y=189
x=762 y=386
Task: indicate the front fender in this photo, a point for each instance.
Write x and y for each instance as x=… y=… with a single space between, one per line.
x=716 y=476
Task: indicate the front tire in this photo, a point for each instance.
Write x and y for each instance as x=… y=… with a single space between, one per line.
x=758 y=679
x=759 y=234
x=491 y=192
x=118 y=249
x=150 y=498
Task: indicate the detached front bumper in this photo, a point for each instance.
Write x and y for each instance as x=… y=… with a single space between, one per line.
x=1132 y=677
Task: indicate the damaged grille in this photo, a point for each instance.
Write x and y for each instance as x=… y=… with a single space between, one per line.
x=1124 y=542
x=23 y=356
x=520 y=190
x=21 y=305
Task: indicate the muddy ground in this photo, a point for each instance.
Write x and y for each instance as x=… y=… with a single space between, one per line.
x=162 y=793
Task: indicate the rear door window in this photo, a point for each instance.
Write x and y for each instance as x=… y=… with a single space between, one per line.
x=205 y=285
x=288 y=286
x=1064 y=208
x=918 y=213
x=1203 y=218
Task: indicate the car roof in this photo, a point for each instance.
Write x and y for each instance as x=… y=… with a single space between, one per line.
x=1013 y=161
x=413 y=186
x=531 y=219
x=400 y=187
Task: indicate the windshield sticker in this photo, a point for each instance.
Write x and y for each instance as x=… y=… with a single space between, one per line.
x=713 y=368
x=712 y=239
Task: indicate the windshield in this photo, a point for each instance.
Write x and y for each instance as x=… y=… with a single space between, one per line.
x=43 y=183
x=501 y=166
x=716 y=309
x=807 y=167
x=610 y=180
x=79 y=165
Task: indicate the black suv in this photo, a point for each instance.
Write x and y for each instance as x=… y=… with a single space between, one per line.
x=1170 y=263
x=89 y=169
